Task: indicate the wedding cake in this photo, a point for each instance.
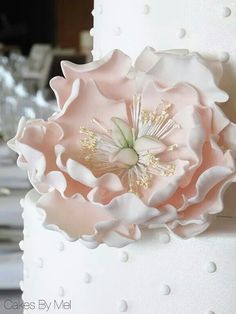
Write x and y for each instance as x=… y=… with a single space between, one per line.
x=127 y=212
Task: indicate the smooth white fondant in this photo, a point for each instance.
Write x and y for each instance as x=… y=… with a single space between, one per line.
x=178 y=264
x=204 y=26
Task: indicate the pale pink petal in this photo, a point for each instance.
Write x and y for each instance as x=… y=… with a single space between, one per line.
x=74 y=217
x=170 y=69
x=110 y=74
x=228 y=138
x=79 y=109
x=162 y=187
x=130 y=209
x=82 y=174
x=197 y=218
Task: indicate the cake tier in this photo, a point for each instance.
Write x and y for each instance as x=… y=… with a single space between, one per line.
x=158 y=274
x=205 y=26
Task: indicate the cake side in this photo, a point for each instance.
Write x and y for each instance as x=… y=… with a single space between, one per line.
x=203 y=26
x=160 y=273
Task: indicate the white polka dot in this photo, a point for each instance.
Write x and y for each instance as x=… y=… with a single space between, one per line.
x=21 y=283
x=87 y=278
x=146 y=9
x=100 y=9
x=181 y=33
x=164 y=237
x=26 y=273
x=165 y=289
x=211 y=267
x=21 y=245
x=22 y=202
x=93 y=12
x=39 y=262
x=123 y=306
x=117 y=31
x=91 y=32
x=26 y=232
x=61 y=292
x=41 y=216
x=61 y=246
x=123 y=256
x=226 y=12
x=224 y=56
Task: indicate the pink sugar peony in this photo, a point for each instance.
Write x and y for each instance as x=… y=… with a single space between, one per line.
x=132 y=147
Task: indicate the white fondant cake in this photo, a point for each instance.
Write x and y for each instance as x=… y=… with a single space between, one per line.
x=159 y=273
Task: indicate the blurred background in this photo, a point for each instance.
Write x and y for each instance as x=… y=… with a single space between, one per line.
x=34 y=37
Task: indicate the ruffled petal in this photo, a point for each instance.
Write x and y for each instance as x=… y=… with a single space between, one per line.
x=74 y=217
x=108 y=72
x=82 y=174
x=79 y=109
x=163 y=188
x=113 y=224
x=169 y=69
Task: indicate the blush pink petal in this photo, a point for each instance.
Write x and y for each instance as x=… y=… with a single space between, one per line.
x=187 y=112
x=86 y=103
x=169 y=69
x=72 y=216
x=109 y=73
x=179 y=96
x=163 y=188
x=166 y=214
x=228 y=138
x=80 y=173
x=213 y=159
x=198 y=217
x=114 y=224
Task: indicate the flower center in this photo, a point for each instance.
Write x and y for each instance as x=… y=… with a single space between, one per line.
x=131 y=151
x=126 y=157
